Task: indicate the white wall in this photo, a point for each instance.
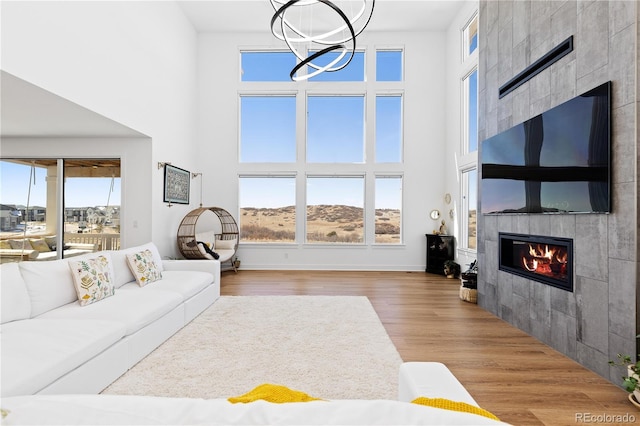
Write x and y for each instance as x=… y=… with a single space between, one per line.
x=424 y=138
x=133 y=62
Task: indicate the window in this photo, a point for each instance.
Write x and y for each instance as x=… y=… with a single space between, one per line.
x=469 y=206
x=470 y=105
x=352 y=72
x=388 y=129
x=389 y=65
x=388 y=204
x=335 y=129
x=335 y=209
x=267 y=129
x=468 y=160
x=267 y=209
x=317 y=128
x=266 y=66
x=470 y=36
x=90 y=212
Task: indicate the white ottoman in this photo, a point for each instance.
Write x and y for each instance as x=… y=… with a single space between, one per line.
x=431 y=380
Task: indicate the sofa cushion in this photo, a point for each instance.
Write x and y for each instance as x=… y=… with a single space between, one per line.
x=16 y=304
x=21 y=244
x=49 y=284
x=121 y=269
x=4 y=245
x=36 y=352
x=185 y=283
x=92 y=278
x=133 y=308
x=143 y=267
x=40 y=245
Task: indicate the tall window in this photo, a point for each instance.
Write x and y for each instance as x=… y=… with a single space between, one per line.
x=388 y=128
x=470 y=207
x=468 y=162
x=317 y=129
x=470 y=90
x=388 y=209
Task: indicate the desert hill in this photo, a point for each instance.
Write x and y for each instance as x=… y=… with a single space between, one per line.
x=325 y=223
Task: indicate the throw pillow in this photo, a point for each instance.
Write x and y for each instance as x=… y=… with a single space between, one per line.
x=51 y=241
x=20 y=244
x=40 y=245
x=143 y=267
x=92 y=279
x=4 y=244
x=226 y=244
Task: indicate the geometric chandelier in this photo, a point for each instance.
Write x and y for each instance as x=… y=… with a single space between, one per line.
x=313 y=28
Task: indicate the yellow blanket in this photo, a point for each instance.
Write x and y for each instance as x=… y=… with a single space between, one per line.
x=273 y=393
x=448 y=404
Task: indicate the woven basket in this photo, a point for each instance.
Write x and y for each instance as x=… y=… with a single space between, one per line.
x=469 y=294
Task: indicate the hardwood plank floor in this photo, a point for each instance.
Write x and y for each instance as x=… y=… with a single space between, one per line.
x=508 y=372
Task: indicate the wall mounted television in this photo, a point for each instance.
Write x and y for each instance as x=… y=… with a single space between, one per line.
x=556 y=162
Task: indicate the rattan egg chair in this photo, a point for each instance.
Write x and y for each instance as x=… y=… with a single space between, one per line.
x=224 y=236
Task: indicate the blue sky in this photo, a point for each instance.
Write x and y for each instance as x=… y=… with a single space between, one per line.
x=335 y=132
x=79 y=192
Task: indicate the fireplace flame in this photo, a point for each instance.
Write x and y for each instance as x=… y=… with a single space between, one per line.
x=533 y=267
x=544 y=260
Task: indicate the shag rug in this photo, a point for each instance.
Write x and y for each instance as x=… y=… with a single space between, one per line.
x=331 y=347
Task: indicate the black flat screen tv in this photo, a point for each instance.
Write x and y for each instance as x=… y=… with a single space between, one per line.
x=556 y=162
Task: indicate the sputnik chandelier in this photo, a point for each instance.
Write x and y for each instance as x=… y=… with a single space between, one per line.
x=313 y=28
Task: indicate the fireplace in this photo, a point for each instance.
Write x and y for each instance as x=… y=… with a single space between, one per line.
x=548 y=260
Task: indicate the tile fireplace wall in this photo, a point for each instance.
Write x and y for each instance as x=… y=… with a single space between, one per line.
x=599 y=319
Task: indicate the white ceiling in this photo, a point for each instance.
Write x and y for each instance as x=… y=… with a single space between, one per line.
x=255 y=15
x=28 y=110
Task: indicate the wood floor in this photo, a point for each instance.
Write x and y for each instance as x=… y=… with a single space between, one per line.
x=508 y=372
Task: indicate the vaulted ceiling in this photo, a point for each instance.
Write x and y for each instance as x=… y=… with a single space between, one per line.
x=30 y=111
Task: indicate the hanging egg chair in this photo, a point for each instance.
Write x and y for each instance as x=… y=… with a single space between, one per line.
x=202 y=235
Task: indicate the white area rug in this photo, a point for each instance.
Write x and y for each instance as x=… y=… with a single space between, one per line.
x=332 y=347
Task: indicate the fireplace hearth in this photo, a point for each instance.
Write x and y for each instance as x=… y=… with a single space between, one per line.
x=548 y=260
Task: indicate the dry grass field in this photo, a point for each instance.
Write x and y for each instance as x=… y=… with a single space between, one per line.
x=325 y=223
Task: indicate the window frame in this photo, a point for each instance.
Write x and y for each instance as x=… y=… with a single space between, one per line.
x=468 y=160
x=369 y=89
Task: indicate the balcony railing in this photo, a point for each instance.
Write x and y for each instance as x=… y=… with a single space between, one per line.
x=102 y=241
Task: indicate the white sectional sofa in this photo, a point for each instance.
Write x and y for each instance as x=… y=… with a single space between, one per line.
x=417 y=379
x=50 y=344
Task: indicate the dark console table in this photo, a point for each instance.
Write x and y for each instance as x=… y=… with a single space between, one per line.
x=440 y=248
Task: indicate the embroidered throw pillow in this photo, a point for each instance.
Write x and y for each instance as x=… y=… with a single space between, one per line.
x=92 y=279
x=143 y=267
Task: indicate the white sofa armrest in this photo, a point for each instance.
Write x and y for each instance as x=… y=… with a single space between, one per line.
x=203 y=265
x=431 y=380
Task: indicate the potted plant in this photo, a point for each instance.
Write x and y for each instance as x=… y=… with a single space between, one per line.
x=630 y=382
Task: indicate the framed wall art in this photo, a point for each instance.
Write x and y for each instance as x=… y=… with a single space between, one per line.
x=176 y=185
